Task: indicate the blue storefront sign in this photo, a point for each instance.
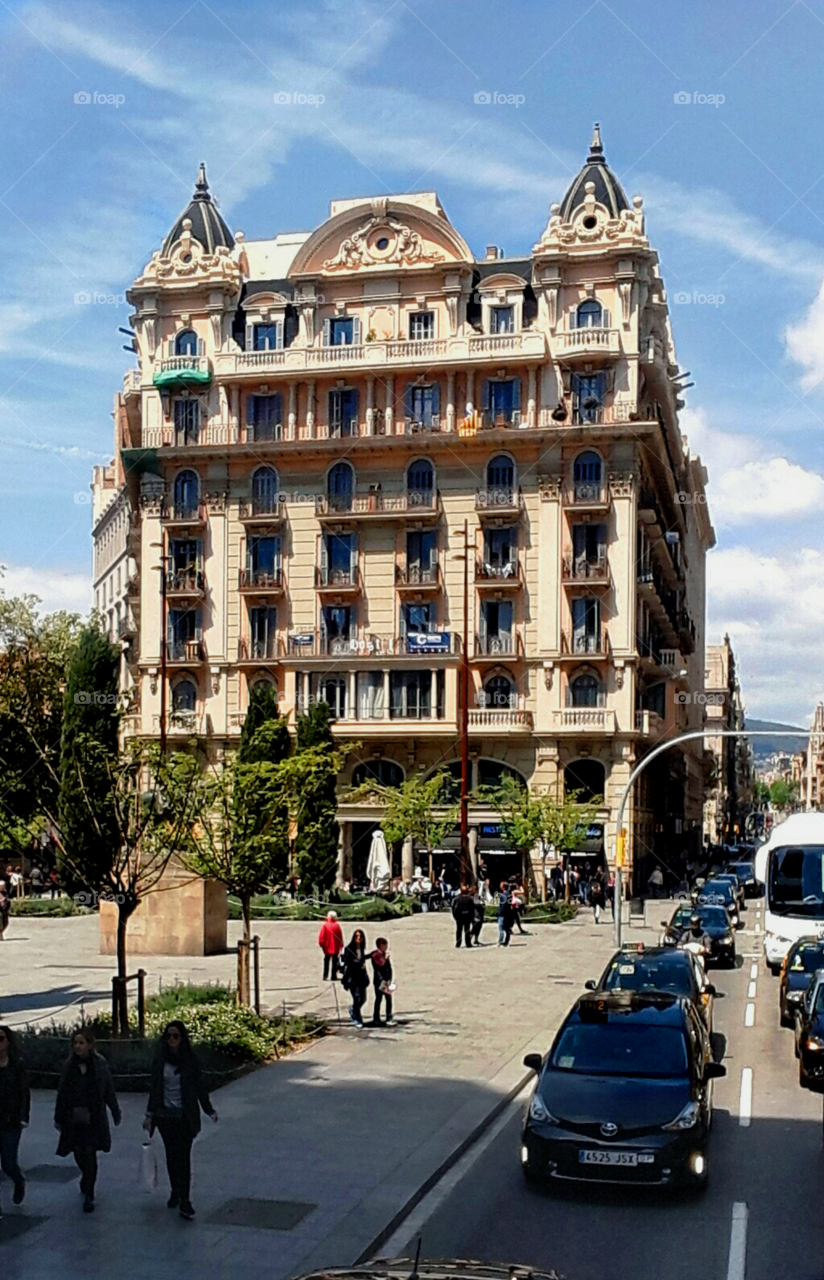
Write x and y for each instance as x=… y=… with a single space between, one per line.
x=428 y=642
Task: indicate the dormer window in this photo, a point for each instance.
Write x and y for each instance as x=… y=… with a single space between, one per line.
x=421 y=325
x=265 y=337
x=502 y=320
x=342 y=331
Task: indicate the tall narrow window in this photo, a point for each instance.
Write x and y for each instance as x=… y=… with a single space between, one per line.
x=589 y=315
x=586 y=625
x=265 y=491
x=333 y=691
x=422 y=325
x=343 y=412
x=500 y=476
x=586 y=476
x=421 y=557
x=263 y=631
x=186 y=343
x=263 y=561
x=338 y=629
x=265 y=417
x=340 y=487
x=342 y=331
x=590 y=392
x=186 y=495
x=420 y=483
x=496 y=626
x=187 y=420
x=265 y=337
x=339 y=556
x=502 y=320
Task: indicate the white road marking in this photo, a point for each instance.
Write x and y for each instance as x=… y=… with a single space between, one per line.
x=737 y=1264
x=751 y=990
x=749 y=1016
x=753 y=970
x=745 y=1099
x=434 y=1198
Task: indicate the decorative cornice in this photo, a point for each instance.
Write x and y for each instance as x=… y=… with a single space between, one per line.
x=216 y=502
x=404 y=246
x=549 y=488
x=622 y=483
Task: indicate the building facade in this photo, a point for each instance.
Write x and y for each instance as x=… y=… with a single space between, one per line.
x=326 y=433
x=729 y=760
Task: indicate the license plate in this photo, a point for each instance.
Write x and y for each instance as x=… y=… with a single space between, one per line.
x=608 y=1157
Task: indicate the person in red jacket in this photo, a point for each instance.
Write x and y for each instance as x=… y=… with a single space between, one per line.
x=330 y=941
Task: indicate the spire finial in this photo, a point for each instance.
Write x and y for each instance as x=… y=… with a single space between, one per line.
x=596 y=150
x=201 y=186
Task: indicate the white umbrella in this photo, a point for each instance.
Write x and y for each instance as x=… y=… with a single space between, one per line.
x=378 y=868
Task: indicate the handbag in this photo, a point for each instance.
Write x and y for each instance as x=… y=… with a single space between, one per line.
x=148 y=1165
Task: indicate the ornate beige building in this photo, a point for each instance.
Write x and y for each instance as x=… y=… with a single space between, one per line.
x=730 y=793
x=314 y=420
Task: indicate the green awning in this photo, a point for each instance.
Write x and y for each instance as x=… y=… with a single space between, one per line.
x=182 y=377
x=139 y=461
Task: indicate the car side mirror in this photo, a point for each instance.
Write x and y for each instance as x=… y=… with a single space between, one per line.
x=665 y=924
x=714 y=1071
x=710 y=989
x=591 y=985
x=534 y=1062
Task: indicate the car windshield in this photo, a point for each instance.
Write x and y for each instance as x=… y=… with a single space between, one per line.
x=807 y=960
x=711 y=917
x=621 y=1048
x=744 y=870
x=718 y=891
x=818 y=1007
x=796 y=881
x=650 y=973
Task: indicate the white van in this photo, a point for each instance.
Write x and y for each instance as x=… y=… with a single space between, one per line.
x=791 y=868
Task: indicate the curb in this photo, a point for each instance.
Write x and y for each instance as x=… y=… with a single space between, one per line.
x=452 y=1159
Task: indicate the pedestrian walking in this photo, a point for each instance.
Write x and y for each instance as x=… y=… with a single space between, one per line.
x=596 y=894
x=382 y=981
x=504 y=915
x=36 y=881
x=330 y=941
x=84 y=1093
x=355 y=978
x=463 y=912
x=518 y=902
x=15 y=1105
x=177 y=1091
x=479 y=910
x=656 y=882
x=54 y=883
x=5 y=909
x=610 y=891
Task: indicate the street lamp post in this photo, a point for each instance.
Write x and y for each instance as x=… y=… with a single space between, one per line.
x=639 y=769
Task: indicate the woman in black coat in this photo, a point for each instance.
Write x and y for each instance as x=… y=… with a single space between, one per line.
x=176 y=1093
x=15 y=1104
x=355 y=977
x=83 y=1094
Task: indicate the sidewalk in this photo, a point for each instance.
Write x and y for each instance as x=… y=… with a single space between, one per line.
x=317 y=1152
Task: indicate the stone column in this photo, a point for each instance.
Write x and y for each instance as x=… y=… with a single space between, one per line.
x=353 y=695
x=370 y=406
x=292 y=419
x=473 y=850
x=234 y=411
x=450 y=401
x=470 y=392
x=389 y=411
x=530 y=398
x=433 y=694
x=310 y=409
x=386 y=693
x=344 y=847
x=408 y=859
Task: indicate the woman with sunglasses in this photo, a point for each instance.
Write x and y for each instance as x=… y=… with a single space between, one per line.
x=177 y=1091
x=15 y=1104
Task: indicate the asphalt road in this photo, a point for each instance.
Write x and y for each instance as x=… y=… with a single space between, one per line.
x=760 y=1216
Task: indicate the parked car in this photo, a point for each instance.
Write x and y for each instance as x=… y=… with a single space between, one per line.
x=624 y=1094
x=798 y=969
x=809 y=1036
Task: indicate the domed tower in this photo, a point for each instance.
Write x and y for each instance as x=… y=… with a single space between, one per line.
x=206 y=224
x=607 y=189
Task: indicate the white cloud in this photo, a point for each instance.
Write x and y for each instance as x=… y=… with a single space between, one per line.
x=747 y=483
x=805 y=343
x=56 y=590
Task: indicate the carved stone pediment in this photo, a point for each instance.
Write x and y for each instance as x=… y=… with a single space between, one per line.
x=188 y=260
x=382 y=241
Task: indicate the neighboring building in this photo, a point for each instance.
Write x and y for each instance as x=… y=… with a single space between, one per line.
x=811 y=792
x=730 y=784
x=115 y=570
x=314 y=421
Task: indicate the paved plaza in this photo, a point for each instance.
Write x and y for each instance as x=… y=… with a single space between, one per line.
x=320 y=1151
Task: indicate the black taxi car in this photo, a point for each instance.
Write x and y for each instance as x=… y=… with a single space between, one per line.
x=715 y=923
x=809 y=1036
x=637 y=967
x=804 y=958
x=624 y=1094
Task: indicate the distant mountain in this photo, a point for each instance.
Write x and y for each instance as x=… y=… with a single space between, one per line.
x=762 y=747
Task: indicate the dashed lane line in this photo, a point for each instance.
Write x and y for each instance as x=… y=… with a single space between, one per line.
x=749 y=1016
x=745 y=1098
x=753 y=971
x=737 y=1263
x=751 y=990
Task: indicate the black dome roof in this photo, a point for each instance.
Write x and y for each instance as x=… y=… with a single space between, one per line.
x=208 y=226
x=608 y=190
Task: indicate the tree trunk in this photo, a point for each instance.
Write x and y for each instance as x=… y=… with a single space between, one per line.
x=122 y=1001
x=566 y=879
x=244 y=984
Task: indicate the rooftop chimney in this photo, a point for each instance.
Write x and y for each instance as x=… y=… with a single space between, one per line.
x=493 y=253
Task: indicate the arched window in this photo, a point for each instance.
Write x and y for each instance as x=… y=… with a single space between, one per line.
x=340 y=487
x=590 y=314
x=587 y=469
x=265 y=489
x=491 y=773
x=500 y=473
x=186 y=343
x=386 y=772
x=420 y=483
x=499 y=693
x=587 y=777
x=585 y=691
x=452 y=780
x=184 y=696
x=187 y=494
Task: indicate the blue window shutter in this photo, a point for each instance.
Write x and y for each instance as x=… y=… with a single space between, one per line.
x=407 y=400
x=198 y=625
x=353 y=553
x=353 y=404
x=279 y=335
x=278 y=552
x=250 y=410
x=485 y=394
x=327 y=332
x=605 y=319
x=201 y=347
x=356 y=331
x=436 y=399
x=324 y=555
x=250 y=337
x=278 y=407
x=516 y=393
x=573 y=318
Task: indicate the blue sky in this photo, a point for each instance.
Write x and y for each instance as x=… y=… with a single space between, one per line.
x=734 y=193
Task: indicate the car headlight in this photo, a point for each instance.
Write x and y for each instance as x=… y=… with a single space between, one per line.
x=814 y=1042
x=686 y=1119
x=727 y=940
x=794 y=997
x=539 y=1113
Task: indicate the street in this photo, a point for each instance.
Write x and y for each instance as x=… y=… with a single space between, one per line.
x=757 y=1218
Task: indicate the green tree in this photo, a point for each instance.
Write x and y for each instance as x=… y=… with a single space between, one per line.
x=89 y=762
x=530 y=818
x=783 y=794
x=419 y=809
x=263 y=710
x=761 y=792
x=318 y=764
